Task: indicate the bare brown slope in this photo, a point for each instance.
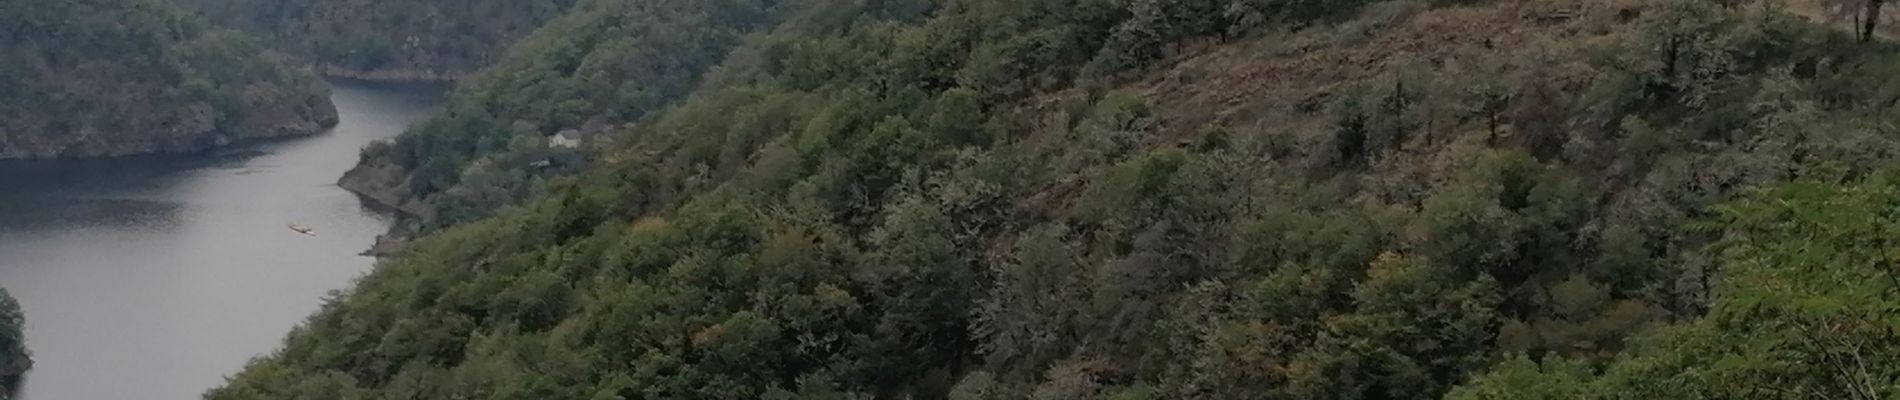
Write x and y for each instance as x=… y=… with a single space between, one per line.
x=1274 y=92
x=1554 y=81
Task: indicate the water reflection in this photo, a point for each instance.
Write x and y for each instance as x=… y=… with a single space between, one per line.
x=161 y=275
x=121 y=193
x=127 y=214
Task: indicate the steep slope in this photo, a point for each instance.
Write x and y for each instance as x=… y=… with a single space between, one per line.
x=1805 y=310
x=111 y=78
x=605 y=64
x=426 y=40
x=1059 y=199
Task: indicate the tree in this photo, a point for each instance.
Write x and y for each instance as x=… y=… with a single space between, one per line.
x=1862 y=15
x=1805 y=311
x=1521 y=378
x=1034 y=308
x=15 y=360
x=1872 y=21
x=924 y=286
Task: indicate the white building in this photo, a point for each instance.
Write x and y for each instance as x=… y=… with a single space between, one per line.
x=569 y=139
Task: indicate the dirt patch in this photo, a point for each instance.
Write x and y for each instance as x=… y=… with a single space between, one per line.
x=1280 y=81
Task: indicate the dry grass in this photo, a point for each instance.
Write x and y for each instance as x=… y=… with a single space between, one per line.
x=1275 y=87
x=1272 y=91
x=1274 y=81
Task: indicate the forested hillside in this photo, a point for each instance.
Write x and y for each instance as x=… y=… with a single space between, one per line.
x=110 y=78
x=1143 y=199
x=426 y=40
x=606 y=64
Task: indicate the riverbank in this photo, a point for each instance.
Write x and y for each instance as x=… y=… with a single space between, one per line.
x=393 y=76
x=266 y=120
x=164 y=274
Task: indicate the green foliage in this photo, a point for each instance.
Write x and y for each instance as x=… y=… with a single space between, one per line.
x=915 y=199
x=1512 y=219
x=1521 y=378
x=1033 y=306
x=1151 y=27
x=15 y=360
x=134 y=77
x=426 y=40
x=1805 y=310
x=606 y=62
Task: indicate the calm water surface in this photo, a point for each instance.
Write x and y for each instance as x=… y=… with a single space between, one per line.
x=154 y=278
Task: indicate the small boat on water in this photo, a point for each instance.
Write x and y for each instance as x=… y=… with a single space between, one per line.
x=303 y=229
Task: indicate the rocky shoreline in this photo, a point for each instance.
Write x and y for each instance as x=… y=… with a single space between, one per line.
x=377 y=186
x=398 y=75
x=377 y=189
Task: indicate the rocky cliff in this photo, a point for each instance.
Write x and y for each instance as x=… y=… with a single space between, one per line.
x=93 y=79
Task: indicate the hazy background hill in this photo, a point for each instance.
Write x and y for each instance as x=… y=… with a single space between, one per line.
x=108 y=78
x=387 y=40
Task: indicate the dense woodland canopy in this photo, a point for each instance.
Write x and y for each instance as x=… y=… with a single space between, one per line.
x=118 y=77
x=1140 y=199
x=606 y=64
x=381 y=39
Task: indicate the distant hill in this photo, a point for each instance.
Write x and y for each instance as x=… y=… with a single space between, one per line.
x=387 y=40
x=112 y=78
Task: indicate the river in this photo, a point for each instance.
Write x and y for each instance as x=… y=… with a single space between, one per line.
x=157 y=277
